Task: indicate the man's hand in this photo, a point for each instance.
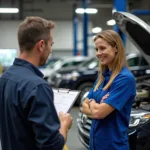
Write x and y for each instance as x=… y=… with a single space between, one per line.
x=65 y=120
x=66 y=123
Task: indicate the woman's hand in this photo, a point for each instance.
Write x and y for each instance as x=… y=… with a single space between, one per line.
x=92 y=104
x=85 y=107
x=85 y=104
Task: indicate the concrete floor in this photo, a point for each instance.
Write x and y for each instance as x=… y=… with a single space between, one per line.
x=73 y=142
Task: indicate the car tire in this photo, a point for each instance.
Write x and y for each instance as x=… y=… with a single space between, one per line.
x=85 y=87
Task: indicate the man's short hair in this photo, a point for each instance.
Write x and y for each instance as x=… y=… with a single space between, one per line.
x=32 y=30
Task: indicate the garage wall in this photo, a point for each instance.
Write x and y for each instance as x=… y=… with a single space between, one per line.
x=63 y=36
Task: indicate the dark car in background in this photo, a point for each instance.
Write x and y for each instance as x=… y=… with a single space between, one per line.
x=82 y=77
x=139 y=126
x=62 y=63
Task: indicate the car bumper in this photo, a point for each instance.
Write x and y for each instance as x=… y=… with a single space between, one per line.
x=83 y=136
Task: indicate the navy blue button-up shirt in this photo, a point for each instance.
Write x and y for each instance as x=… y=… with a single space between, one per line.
x=28 y=119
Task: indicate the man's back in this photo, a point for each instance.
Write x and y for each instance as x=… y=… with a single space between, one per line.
x=22 y=113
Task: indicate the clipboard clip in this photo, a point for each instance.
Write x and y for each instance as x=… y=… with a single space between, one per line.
x=62 y=90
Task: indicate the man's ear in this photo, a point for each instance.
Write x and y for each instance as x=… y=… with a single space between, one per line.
x=41 y=45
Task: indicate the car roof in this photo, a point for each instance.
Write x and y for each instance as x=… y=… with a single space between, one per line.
x=75 y=58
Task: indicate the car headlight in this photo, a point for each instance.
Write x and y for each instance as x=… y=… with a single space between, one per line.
x=58 y=75
x=51 y=79
x=138 y=119
x=74 y=75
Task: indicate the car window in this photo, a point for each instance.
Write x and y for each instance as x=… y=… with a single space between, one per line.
x=133 y=61
x=92 y=63
x=144 y=62
x=51 y=64
x=73 y=63
x=57 y=65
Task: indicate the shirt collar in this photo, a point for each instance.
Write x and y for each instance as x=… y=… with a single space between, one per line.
x=107 y=72
x=22 y=62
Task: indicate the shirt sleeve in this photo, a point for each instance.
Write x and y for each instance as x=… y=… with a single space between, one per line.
x=90 y=94
x=121 y=91
x=44 y=119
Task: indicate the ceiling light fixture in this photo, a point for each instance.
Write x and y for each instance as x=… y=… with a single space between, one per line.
x=96 y=30
x=9 y=10
x=111 y=22
x=87 y=10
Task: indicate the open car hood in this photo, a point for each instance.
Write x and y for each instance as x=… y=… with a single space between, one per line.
x=136 y=30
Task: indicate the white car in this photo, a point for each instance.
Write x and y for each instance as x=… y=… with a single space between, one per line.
x=66 y=62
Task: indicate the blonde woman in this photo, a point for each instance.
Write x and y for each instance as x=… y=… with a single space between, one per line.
x=110 y=100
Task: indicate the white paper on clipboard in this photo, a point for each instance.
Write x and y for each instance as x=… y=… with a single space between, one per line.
x=64 y=99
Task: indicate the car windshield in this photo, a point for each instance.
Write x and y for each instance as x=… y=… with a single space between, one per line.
x=92 y=63
x=71 y=62
x=50 y=63
x=57 y=64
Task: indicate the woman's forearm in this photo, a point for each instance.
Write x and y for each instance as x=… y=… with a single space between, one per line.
x=94 y=109
x=90 y=109
x=88 y=113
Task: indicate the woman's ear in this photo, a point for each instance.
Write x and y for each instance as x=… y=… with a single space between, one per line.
x=116 y=50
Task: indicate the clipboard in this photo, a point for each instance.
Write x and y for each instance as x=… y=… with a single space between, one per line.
x=64 y=99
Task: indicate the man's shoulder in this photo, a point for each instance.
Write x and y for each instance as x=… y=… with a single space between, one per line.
x=33 y=82
x=24 y=79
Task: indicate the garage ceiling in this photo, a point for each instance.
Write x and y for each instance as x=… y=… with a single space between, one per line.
x=63 y=9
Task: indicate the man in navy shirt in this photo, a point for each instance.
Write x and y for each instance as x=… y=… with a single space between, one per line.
x=28 y=119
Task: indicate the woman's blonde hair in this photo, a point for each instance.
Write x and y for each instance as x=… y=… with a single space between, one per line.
x=114 y=40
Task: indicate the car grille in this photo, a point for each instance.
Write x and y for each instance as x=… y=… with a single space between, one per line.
x=84 y=125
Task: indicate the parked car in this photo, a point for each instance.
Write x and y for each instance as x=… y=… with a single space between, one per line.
x=62 y=63
x=83 y=77
x=139 y=127
x=50 y=62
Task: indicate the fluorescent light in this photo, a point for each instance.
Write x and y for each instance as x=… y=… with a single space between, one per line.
x=87 y=10
x=79 y=10
x=9 y=10
x=111 y=22
x=96 y=30
x=91 y=10
x=114 y=10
